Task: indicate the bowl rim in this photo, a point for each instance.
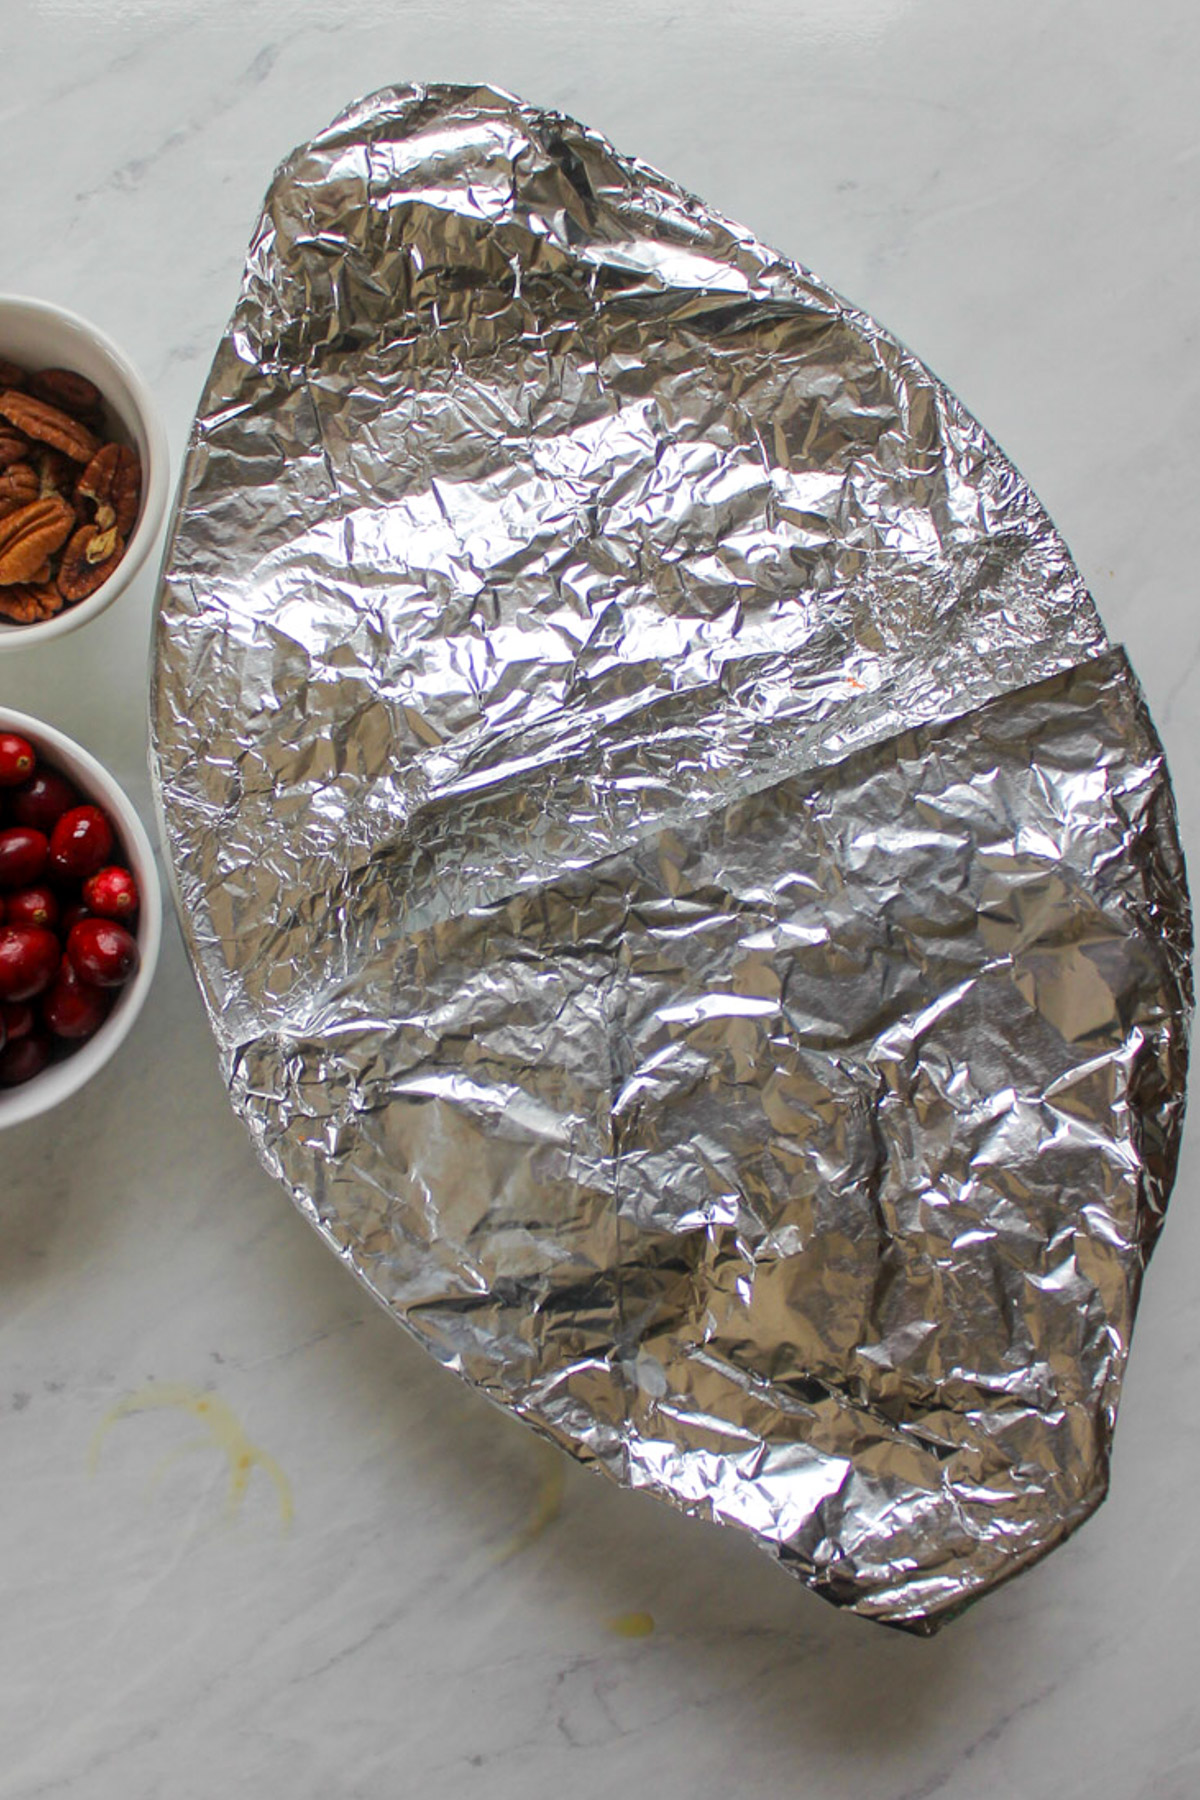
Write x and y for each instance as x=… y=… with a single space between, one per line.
x=156 y=480
x=31 y=1098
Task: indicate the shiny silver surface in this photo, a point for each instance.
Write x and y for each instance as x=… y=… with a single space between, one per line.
x=687 y=898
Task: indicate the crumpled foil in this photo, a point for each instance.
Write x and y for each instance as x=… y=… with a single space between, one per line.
x=687 y=897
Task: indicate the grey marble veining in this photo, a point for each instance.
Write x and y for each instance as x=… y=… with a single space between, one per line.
x=1014 y=197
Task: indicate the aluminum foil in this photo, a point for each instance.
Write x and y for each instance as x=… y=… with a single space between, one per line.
x=687 y=897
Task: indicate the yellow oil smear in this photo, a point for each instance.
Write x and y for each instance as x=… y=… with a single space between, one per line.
x=222 y=1432
x=546 y=1507
x=632 y=1625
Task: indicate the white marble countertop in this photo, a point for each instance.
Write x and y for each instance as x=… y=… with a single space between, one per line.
x=1014 y=191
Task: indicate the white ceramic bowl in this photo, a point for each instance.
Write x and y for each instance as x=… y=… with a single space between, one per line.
x=62 y=1079
x=36 y=335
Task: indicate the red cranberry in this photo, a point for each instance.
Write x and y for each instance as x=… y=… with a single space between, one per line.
x=33 y=906
x=17 y=1018
x=22 y=856
x=43 y=801
x=22 y=1060
x=73 y=1009
x=103 y=952
x=29 y=959
x=17 y=759
x=111 y=893
x=81 y=842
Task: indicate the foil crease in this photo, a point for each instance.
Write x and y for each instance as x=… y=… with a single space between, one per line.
x=687 y=897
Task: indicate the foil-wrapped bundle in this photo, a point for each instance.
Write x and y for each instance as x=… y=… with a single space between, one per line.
x=687 y=897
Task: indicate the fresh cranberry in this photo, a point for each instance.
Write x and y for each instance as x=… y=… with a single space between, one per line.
x=22 y=856
x=43 y=801
x=111 y=893
x=72 y=1008
x=22 y=1060
x=33 y=906
x=17 y=759
x=81 y=842
x=29 y=959
x=17 y=1018
x=102 y=951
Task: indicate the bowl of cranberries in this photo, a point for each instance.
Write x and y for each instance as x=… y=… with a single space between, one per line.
x=80 y=916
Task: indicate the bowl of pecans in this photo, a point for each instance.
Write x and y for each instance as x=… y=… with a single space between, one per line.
x=83 y=471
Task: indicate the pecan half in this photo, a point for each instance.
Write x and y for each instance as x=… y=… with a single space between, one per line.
x=18 y=486
x=48 y=425
x=10 y=375
x=14 y=446
x=31 y=534
x=77 y=576
x=114 y=478
x=71 y=393
x=28 y=604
